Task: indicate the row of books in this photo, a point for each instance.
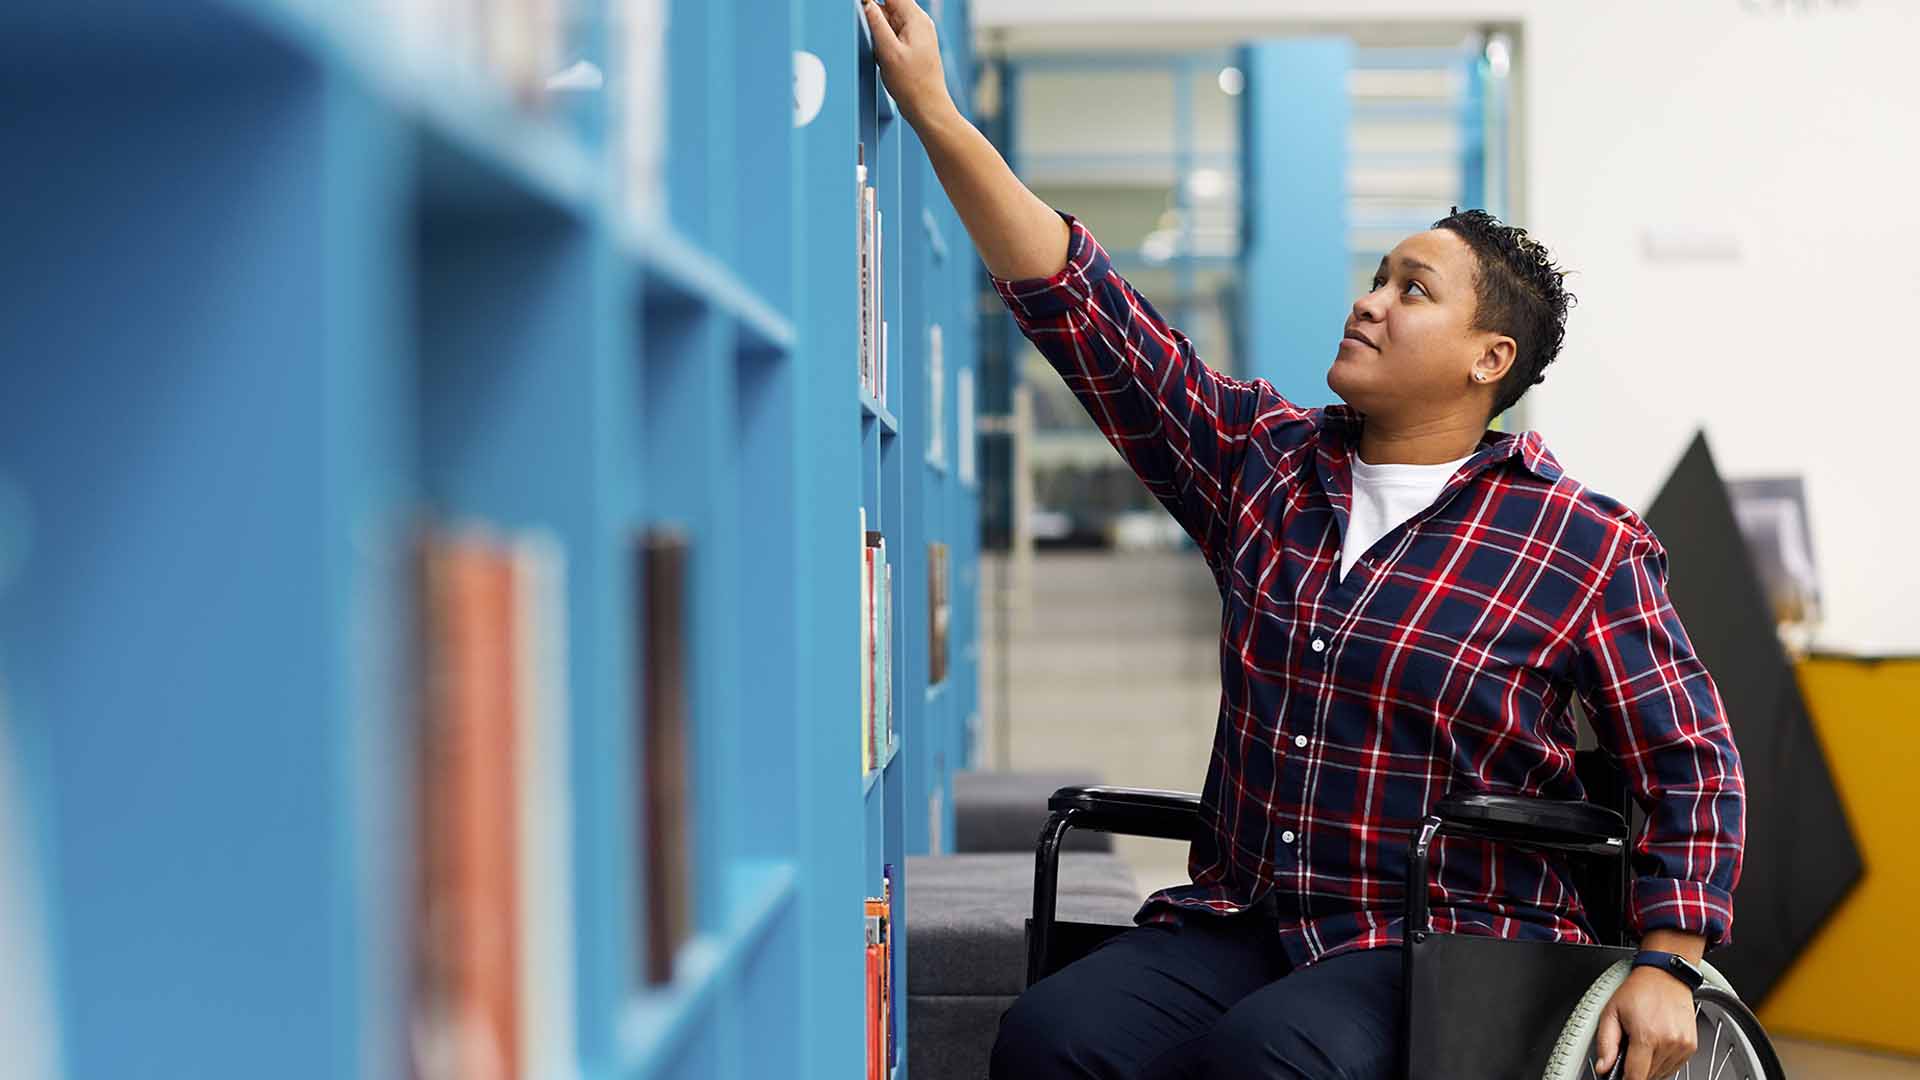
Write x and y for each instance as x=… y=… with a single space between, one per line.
x=883 y=1053
x=493 y=993
x=876 y=648
x=873 y=323
x=493 y=990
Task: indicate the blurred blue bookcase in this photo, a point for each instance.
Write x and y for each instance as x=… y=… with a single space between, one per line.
x=273 y=297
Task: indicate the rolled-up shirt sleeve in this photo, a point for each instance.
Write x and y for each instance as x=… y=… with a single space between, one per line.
x=1656 y=710
x=1181 y=426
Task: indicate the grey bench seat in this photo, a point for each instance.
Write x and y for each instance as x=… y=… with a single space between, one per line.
x=966 y=945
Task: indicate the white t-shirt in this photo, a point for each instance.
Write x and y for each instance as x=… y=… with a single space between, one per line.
x=1386 y=495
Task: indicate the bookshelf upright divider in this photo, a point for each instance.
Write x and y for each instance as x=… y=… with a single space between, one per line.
x=369 y=305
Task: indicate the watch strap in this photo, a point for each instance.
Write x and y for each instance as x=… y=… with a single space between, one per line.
x=1673 y=964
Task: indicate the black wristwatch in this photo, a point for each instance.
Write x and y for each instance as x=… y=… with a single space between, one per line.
x=1673 y=964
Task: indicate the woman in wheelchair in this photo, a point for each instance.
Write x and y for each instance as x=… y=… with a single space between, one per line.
x=1412 y=607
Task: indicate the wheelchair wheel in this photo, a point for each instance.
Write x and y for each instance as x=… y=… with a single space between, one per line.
x=1731 y=1043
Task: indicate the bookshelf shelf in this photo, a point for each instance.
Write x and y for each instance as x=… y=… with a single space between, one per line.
x=871 y=782
x=671 y=262
x=493 y=158
x=873 y=410
x=475 y=331
x=657 y=1020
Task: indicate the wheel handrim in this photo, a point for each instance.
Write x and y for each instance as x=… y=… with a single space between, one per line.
x=1723 y=1051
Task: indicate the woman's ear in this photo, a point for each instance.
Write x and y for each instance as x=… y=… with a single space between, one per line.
x=1495 y=360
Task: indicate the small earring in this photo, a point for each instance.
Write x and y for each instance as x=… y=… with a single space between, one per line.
x=1477 y=377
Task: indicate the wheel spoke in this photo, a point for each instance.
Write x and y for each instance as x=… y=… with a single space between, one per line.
x=1699 y=1008
x=1724 y=1060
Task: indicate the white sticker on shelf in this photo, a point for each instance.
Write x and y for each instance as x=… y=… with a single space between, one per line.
x=581 y=75
x=809 y=87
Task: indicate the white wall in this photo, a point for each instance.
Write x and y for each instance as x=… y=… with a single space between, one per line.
x=1788 y=130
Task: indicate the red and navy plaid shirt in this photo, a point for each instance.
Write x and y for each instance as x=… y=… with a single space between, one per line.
x=1445 y=661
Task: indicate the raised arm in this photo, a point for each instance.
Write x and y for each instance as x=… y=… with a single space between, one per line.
x=1017 y=234
x=1182 y=427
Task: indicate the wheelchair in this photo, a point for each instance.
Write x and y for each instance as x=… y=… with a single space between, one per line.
x=1548 y=996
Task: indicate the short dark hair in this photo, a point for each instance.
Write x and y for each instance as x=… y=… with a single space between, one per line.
x=1518 y=292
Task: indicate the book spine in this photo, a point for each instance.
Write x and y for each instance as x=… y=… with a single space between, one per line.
x=546 y=896
x=871 y=640
x=886 y=905
x=887 y=620
x=469 y=906
x=865 y=216
x=664 y=761
x=876 y=967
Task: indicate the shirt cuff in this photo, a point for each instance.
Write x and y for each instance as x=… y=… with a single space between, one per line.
x=1037 y=298
x=1691 y=907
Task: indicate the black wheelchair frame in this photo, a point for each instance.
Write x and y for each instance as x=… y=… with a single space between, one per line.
x=1455 y=985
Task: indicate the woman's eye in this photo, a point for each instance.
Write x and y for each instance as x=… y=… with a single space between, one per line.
x=1417 y=285
x=1377 y=282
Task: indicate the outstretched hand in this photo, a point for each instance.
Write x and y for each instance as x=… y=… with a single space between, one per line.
x=906 y=45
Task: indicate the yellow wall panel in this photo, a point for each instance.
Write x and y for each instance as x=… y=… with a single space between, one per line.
x=1855 y=981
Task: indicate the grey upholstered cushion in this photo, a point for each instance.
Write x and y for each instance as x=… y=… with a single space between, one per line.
x=1003 y=810
x=950 y=1037
x=966 y=915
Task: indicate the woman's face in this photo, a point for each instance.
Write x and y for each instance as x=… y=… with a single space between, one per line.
x=1418 y=351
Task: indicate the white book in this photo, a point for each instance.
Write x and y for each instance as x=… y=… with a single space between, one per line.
x=545 y=820
x=963 y=394
x=866 y=650
x=859 y=208
x=936 y=394
x=886 y=621
x=641 y=110
x=868 y=332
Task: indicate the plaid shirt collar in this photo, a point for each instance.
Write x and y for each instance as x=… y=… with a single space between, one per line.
x=1340 y=440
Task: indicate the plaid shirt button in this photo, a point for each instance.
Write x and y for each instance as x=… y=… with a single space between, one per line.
x=1287 y=837
x=1300 y=740
x=1319 y=646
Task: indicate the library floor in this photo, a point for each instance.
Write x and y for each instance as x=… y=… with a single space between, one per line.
x=1114 y=671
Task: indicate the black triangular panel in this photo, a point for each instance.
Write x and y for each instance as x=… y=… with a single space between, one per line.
x=1801 y=859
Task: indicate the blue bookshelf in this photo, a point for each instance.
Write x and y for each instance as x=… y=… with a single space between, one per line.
x=278 y=294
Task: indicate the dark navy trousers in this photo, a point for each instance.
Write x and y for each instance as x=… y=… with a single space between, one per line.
x=1214 y=997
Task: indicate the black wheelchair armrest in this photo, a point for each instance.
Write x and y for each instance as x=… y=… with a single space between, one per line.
x=1170 y=815
x=1573 y=826
x=1568 y=825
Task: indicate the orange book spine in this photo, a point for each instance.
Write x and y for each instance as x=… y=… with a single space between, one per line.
x=876 y=1048
x=469 y=904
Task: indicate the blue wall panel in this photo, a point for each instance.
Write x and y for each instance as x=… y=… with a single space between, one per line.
x=1294 y=116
